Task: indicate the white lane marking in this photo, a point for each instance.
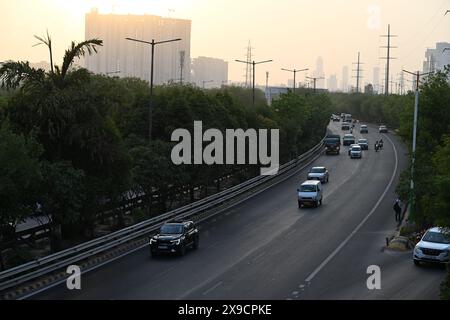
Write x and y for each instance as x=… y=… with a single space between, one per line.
x=212 y=288
x=290 y=233
x=258 y=256
x=339 y=248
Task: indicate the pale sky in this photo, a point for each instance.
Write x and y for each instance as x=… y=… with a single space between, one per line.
x=291 y=32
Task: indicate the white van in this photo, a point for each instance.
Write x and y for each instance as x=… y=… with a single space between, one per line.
x=310 y=193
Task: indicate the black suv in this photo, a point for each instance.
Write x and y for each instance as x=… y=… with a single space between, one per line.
x=175 y=237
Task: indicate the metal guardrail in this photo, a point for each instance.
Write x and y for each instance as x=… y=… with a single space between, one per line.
x=42 y=266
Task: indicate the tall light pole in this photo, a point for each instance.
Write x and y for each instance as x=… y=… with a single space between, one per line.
x=253 y=63
x=295 y=72
x=150 y=109
x=315 y=80
x=413 y=156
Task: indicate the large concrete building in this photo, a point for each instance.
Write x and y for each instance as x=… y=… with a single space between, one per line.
x=209 y=72
x=437 y=58
x=133 y=59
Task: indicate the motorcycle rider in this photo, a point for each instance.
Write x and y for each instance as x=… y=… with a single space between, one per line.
x=376 y=146
x=380 y=144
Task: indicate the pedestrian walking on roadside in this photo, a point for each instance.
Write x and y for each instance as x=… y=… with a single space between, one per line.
x=398 y=210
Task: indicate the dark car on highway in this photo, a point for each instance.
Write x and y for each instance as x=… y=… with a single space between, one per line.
x=175 y=237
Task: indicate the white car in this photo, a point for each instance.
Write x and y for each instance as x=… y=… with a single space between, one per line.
x=318 y=173
x=382 y=129
x=433 y=247
x=310 y=192
x=356 y=152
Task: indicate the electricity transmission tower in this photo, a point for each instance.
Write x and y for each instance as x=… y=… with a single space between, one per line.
x=182 y=58
x=358 y=73
x=388 y=57
x=248 y=67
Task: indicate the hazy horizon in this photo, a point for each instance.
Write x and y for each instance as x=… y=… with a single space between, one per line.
x=292 y=33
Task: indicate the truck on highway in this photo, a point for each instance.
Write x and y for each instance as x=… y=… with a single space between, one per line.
x=332 y=144
x=347 y=118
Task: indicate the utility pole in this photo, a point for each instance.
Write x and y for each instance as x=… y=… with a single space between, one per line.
x=358 y=73
x=253 y=63
x=315 y=81
x=153 y=43
x=388 y=57
x=267 y=80
x=295 y=72
x=413 y=155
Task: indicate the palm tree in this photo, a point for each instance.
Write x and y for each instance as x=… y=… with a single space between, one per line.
x=48 y=109
x=15 y=74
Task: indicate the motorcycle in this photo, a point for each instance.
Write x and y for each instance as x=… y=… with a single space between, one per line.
x=377 y=147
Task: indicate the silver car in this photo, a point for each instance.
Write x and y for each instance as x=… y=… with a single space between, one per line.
x=319 y=173
x=356 y=152
x=433 y=247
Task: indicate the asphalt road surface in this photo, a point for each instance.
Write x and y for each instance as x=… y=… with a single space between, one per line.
x=268 y=248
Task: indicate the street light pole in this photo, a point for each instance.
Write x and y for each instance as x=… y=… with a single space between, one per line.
x=150 y=111
x=315 y=80
x=414 y=142
x=253 y=63
x=295 y=72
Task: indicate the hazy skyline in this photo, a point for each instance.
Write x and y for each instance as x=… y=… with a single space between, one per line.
x=292 y=33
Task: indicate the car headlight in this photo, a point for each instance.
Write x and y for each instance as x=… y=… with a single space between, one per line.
x=177 y=241
x=152 y=240
x=417 y=250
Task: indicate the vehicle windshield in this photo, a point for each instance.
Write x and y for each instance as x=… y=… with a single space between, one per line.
x=308 y=188
x=318 y=170
x=171 y=229
x=332 y=140
x=362 y=141
x=356 y=148
x=349 y=137
x=436 y=237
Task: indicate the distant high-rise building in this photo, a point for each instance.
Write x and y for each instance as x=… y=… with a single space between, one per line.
x=319 y=73
x=437 y=58
x=133 y=59
x=332 y=83
x=345 y=75
x=211 y=71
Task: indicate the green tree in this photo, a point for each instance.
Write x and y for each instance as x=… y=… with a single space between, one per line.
x=20 y=178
